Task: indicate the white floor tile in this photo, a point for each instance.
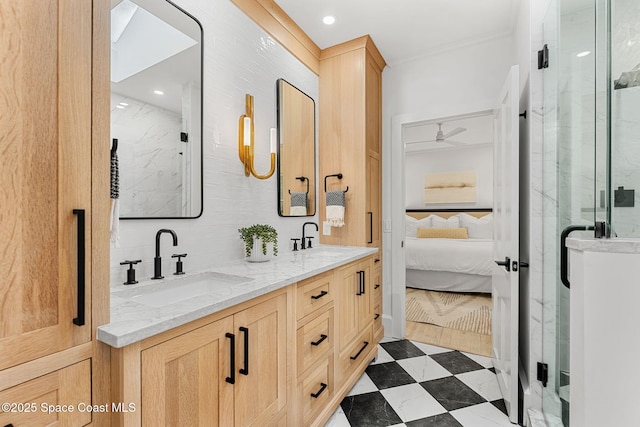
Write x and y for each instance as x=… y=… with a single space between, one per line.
x=383 y=356
x=423 y=368
x=482 y=360
x=364 y=385
x=430 y=349
x=412 y=402
x=483 y=415
x=389 y=339
x=338 y=419
x=483 y=382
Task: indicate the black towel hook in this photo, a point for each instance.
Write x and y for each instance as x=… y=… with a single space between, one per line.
x=303 y=179
x=337 y=175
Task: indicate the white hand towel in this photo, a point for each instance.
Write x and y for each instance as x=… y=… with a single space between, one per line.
x=335 y=207
x=298 y=211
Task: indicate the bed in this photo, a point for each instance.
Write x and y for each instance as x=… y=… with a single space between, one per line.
x=447 y=264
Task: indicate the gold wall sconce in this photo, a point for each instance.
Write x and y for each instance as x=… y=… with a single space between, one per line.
x=246 y=142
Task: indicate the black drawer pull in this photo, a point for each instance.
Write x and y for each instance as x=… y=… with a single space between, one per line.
x=377 y=260
x=322 y=338
x=317 y=394
x=81 y=258
x=245 y=370
x=366 y=343
x=376 y=317
x=376 y=286
x=320 y=295
x=232 y=358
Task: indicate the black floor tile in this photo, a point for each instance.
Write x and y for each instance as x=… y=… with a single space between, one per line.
x=440 y=420
x=369 y=410
x=387 y=375
x=402 y=349
x=452 y=393
x=493 y=370
x=500 y=405
x=456 y=362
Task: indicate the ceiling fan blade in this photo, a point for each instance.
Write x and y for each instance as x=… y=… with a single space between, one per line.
x=455 y=132
x=420 y=141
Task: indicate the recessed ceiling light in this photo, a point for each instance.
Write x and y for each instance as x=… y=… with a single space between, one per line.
x=158 y=92
x=585 y=53
x=124 y=104
x=328 y=19
x=120 y=106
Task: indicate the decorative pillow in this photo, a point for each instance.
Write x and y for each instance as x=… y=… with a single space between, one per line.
x=443 y=233
x=439 y=222
x=479 y=228
x=411 y=225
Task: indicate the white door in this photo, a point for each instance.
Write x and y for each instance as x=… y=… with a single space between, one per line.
x=506 y=240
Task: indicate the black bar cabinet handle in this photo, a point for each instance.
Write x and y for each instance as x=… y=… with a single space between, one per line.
x=376 y=316
x=376 y=286
x=359 y=273
x=377 y=260
x=81 y=258
x=564 y=273
x=320 y=295
x=370 y=227
x=322 y=338
x=245 y=370
x=319 y=392
x=366 y=343
x=363 y=281
x=232 y=358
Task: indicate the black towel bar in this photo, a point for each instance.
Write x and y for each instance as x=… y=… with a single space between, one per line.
x=337 y=175
x=303 y=179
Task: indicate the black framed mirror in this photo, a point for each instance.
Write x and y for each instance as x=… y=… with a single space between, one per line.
x=156 y=109
x=296 y=151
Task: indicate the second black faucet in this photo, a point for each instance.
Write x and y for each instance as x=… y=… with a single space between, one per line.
x=304 y=244
x=157 y=261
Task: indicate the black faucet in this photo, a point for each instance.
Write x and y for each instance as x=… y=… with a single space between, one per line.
x=157 y=261
x=304 y=243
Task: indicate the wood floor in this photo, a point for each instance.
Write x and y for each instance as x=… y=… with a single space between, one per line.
x=469 y=342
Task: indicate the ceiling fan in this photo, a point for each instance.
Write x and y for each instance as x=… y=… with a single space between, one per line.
x=441 y=137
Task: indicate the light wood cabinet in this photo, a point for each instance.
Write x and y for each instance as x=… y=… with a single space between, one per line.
x=354 y=301
x=54 y=205
x=62 y=397
x=350 y=138
x=228 y=370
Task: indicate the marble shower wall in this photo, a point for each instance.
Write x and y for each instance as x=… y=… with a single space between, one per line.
x=150 y=157
x=239 y=58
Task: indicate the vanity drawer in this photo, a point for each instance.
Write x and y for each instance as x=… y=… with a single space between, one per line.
x=355 y=354
x=317 y=390
x=315 y=340
x=70 y=388
x=314 y=293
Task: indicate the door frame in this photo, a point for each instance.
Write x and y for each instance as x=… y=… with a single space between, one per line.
x=395 y=203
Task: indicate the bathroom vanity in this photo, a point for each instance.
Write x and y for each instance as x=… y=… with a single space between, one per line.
x=275 y=343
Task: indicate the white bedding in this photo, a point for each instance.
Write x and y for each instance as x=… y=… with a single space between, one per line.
x=469 y=256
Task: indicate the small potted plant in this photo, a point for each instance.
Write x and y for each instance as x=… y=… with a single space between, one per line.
x=256 y=239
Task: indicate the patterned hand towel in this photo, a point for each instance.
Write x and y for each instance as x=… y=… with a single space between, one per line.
x=298 y=204
x=335 y=208
x=115 y=200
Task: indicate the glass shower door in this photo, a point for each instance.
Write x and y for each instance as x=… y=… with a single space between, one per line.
x=569 y=176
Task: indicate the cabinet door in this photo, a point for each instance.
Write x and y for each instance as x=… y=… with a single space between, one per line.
x=261 y=362
x=373 y=87
x=45 y=173
x=184 y=379
x=365 y=295
x=348 y=288
x=58 y=398
x=374 y=202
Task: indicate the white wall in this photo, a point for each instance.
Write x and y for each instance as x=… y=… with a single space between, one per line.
x=479 y=159
x=239 y=58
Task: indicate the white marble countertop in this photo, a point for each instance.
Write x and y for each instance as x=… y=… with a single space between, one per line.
x=132 y=320
x=615 y=245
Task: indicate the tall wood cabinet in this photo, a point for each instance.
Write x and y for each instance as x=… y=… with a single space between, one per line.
x=54 y=202
x=351 y=144
x=350 y=138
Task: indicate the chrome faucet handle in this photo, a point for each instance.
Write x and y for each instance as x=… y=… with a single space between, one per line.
x=179 y=269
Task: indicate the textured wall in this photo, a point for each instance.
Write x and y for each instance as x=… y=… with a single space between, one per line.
x=239 y=58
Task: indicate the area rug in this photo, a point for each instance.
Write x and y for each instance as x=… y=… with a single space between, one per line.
x=462 y=311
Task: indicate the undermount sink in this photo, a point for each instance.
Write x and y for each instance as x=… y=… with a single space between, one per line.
x=173 y=290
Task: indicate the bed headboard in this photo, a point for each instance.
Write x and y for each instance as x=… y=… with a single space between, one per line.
x=423 y=213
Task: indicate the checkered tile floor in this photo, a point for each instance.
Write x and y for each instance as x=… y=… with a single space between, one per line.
x=413 y=384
